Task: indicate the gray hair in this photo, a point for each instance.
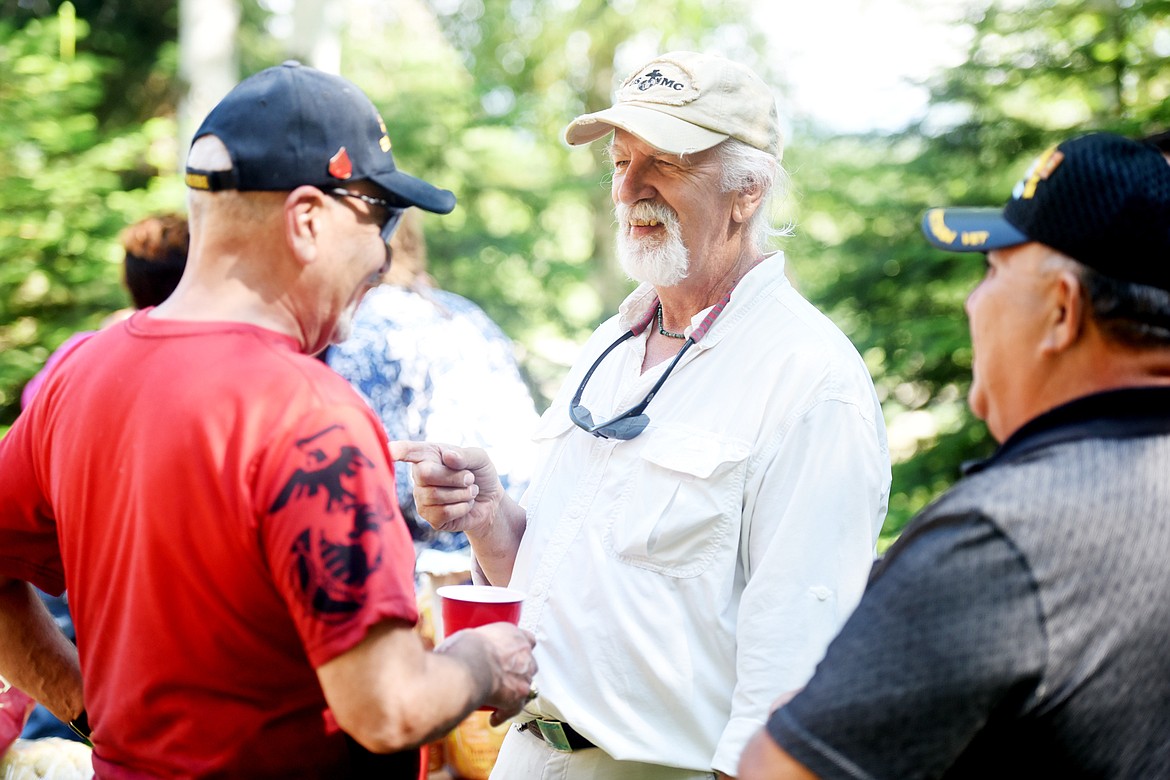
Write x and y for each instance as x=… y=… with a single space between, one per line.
x=746 y=167
x=1136 y=315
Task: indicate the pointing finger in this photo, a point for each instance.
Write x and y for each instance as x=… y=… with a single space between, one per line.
x=416 y=451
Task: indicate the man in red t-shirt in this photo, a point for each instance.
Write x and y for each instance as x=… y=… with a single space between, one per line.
x=220 y=504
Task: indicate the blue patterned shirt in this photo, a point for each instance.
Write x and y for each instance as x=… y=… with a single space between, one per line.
x=436 y=368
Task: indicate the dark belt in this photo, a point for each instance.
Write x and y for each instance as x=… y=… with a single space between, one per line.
x=558 y=736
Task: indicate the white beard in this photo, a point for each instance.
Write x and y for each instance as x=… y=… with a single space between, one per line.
x=660 y=263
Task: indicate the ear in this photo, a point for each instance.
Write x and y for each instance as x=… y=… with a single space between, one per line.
x=304 y=214
x=1067 y=315
x=746 y=203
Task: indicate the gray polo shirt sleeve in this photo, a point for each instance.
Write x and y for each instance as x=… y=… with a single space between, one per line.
x=949 y=632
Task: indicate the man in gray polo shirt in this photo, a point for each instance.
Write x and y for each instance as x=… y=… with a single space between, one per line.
x=1020 y=625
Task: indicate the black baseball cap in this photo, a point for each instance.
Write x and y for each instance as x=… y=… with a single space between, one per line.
x=292 y=125
x=1101 y=199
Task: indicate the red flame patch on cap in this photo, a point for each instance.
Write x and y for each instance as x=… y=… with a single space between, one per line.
x=340 y=166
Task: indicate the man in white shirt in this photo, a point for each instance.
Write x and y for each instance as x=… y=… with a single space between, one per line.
x=712 y=476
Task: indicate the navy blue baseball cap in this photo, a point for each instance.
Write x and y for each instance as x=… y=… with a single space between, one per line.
x=1101 y=199
x=292 y=125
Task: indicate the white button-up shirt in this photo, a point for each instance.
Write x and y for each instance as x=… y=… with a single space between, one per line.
x=678 y=582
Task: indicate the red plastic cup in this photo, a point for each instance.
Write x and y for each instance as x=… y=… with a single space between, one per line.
x=468 y=606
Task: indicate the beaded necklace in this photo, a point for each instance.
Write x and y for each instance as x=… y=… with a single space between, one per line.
x=664 y=331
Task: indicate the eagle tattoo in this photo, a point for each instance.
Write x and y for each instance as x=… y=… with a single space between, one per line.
x=331 y=564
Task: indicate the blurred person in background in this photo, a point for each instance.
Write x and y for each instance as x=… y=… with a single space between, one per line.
x=221 y=504
x=712 y=476
x=155 y=253
x=435 y=367
x=1019 y=625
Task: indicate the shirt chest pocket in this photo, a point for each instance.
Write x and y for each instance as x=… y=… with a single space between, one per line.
x=678 y=503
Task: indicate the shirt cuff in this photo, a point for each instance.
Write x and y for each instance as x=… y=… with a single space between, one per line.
x=735 y=738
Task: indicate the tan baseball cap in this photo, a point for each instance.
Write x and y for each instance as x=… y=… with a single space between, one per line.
x=685 y=102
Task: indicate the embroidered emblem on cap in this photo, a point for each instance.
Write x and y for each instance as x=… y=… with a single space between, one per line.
x=663 y=82
x=198 y=181
x=936 y=223
x=1038 y=171
x=340 y=166
x=384 y=141
x=938 y=226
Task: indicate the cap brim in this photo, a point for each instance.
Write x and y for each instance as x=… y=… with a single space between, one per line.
x=662 y=131
x=970 y=229
x=415 y=192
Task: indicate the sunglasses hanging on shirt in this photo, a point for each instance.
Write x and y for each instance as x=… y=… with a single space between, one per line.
x=634 y=420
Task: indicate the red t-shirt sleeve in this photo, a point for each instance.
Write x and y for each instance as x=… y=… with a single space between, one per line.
x=28 y=529
x=339 y=550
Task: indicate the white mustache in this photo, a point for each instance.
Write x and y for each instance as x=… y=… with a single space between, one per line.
x=645 y=213
x=661 y=261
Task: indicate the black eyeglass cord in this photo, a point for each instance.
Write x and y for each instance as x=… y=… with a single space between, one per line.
x=633 y=421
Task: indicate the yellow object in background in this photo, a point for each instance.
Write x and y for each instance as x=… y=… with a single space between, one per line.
x=436 y=569
x=473 y=745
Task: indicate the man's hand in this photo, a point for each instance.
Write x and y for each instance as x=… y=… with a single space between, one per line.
x=455 y=489
x=390 y=693
x=504 y=652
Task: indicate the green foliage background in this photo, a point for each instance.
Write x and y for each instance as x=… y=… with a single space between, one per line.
x=477 y=103
x=74 y=170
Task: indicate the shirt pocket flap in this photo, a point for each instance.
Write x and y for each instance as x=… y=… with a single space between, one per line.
x=698 y=454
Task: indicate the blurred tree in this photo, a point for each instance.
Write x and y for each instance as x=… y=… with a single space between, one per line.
x=135 y=42
x=1037 y=72
x=87 y=146
x=69 y=182
x=476 y=96
x=208 y=61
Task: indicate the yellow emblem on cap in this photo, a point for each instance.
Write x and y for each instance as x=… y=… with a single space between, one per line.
x=384 y=141
x=938 y=226
x=198 y=181
x=975 y=237
x=1038 y=171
